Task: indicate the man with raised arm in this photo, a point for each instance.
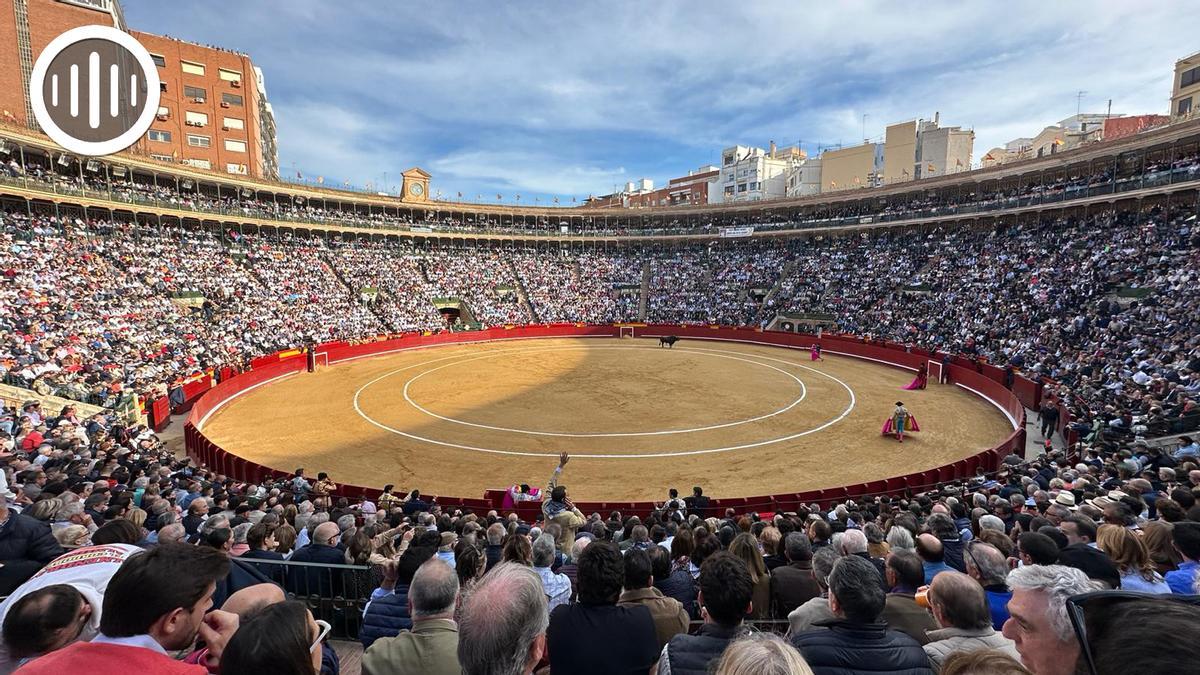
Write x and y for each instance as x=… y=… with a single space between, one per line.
x=557 y=507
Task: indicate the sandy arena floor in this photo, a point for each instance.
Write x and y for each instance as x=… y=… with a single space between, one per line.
x=738 y=419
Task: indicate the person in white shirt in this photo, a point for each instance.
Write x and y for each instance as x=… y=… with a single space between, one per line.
x=88 y=571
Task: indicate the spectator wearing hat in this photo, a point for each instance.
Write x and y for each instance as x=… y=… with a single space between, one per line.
x=445 y=551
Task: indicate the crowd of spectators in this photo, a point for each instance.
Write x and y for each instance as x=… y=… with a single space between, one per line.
x=1105 y=306
x=1083 y=180
x=119 y=556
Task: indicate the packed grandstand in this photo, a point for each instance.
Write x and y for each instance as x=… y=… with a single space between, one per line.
x=1079 y=275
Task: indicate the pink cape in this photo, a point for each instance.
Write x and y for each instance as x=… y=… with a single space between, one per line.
x=917 y=383
x=912 y=426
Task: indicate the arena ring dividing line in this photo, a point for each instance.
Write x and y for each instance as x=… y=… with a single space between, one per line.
x=849 y=408
x=667 y=432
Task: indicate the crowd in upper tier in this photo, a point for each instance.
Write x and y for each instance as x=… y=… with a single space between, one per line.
x=1082 y=180
x=1106 y=305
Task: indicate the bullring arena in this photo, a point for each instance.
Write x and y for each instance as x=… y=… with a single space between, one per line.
x=739 y=419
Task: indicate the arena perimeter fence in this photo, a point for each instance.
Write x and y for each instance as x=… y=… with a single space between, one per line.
x=984 y=380
x=339 y=593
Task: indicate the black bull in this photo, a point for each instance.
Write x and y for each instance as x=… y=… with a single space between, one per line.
x=668 y=341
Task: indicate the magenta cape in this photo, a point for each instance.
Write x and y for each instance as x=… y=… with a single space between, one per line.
x=917 y=383
x=912 y=426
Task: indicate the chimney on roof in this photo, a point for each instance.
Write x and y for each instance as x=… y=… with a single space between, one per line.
x=772 y=150
x=936 y=116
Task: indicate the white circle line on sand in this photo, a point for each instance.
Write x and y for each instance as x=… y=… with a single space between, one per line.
x=683 y=453
x=564 y=434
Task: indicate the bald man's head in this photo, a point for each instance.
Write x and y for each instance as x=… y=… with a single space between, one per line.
x=326 y=533
x=958 y=601
x=252 y=599
x=930 y=548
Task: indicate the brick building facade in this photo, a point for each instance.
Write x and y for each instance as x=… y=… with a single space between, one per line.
x=212 y=115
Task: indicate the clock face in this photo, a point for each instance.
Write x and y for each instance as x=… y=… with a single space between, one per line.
x=417 y=189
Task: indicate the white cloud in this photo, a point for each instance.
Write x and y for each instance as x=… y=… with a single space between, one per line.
x=492 y=96
x=532 y=173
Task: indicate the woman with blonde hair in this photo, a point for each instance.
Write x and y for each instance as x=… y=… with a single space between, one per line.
x=772 y=555
x=761 y=654
x=1132 y=558
x=745 y=547
x=71 y=536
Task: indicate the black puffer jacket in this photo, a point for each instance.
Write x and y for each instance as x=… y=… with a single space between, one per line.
x=848 y=648
x=26 y=538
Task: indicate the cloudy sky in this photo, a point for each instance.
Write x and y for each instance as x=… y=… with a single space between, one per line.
x=564 y=100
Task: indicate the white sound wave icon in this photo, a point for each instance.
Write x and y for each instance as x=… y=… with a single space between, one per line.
x=107 y=122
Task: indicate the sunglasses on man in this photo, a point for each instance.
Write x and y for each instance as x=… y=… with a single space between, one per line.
x=324 y=631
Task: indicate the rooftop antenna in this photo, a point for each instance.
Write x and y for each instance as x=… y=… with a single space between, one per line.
x=864 y=130
x=1079 y=101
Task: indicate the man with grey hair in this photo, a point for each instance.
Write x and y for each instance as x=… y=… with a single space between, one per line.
x=854 y=542
x=172 y=534
x=502 y=625
x=816 y=610
x=856 y=641
x=1039 y=624
x=557 y=587
x=988 y=566
x=431 y=647
x=793 y=584
x=991 y=522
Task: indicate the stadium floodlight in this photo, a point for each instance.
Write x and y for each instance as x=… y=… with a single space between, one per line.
x=93 y=166
x=246 y=192
x=63 y=160
x=4 y=147
x=186 y=184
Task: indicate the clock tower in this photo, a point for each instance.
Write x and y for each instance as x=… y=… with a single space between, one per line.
x=416 y=186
